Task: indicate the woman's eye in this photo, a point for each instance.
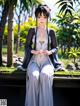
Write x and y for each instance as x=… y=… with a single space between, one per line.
x=45 y=17
x=39 y=17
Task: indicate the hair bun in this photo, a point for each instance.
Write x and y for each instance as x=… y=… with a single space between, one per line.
x=45 y=7
x=39 y=5
x=42 y=8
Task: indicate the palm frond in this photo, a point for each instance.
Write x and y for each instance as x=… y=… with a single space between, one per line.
x=61 y=4
x=70 y=7
x=71 y=3
x=68 y=11
x=59 y=1
x=63 y=8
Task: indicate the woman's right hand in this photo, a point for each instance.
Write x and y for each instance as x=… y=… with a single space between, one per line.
x=35 y=52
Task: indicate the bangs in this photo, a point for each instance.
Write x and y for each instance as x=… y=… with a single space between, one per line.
x=41 y=10
x=40 y=14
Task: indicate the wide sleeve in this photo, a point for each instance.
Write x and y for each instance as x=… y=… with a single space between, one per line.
x=28 y=48
x=28 y=44
x=53 y=41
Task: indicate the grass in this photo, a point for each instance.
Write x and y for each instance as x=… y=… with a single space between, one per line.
x=4 y=50
x=20 y=53
x=7 y=70
x=68 y=73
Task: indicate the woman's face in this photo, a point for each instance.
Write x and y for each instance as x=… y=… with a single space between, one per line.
x=41 y=20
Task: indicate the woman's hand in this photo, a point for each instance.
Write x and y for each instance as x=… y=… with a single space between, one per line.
x=47 y=52
x=35 y=52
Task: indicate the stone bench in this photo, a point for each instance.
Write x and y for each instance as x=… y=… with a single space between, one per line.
x=18 y=79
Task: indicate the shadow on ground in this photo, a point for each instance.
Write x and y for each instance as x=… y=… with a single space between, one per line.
x=62 y=96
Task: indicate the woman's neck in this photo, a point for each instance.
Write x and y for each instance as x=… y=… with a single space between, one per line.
x=41 y=27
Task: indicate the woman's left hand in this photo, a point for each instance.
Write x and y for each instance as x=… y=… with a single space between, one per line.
x=47 y=52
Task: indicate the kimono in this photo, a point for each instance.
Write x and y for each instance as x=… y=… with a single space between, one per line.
x=28 y=48
x=40 y=73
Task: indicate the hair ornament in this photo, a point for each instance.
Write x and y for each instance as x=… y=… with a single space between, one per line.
x=47 y=8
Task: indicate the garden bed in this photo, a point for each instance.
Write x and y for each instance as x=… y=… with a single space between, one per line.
x=12 y=70
x=12 y=77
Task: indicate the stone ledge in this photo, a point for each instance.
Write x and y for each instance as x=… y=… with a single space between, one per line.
x=18 y=79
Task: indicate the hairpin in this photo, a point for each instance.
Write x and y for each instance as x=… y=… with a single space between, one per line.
x=47 y=8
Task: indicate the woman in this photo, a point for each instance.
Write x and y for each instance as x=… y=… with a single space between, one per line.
x=39 y=60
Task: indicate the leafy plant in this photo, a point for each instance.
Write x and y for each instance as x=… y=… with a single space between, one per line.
x=74 y=53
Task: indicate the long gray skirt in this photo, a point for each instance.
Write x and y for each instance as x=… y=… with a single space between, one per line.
x=39 y=85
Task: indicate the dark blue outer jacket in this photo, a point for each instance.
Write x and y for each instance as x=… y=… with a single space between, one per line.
x=28 y=46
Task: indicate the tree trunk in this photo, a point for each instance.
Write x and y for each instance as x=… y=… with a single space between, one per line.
x=18 y=37
x=2 y=26
x=10 y=40
x=69 y=43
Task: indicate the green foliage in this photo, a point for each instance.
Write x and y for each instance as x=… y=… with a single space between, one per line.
x=20 y=53
x=24 y=29
x=74 y=53
x=68 y=31
x=68 y=73
x=11 y=70
x=2 y=2
x=78 y=53
x=66 y=6
x=7 y=70
x=53 y=26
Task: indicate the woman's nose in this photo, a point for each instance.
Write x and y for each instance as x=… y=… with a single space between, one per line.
x=42 y=18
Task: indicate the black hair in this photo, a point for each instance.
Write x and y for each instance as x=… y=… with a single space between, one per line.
x=41 y=9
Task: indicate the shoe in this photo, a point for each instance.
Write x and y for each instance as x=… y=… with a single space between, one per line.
x=20 y=68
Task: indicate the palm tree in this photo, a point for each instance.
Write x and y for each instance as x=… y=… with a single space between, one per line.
x=10 y=39
x=66 y=6
x=5 y=11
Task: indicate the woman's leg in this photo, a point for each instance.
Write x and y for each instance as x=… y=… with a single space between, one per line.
x=46 y=81
x=32 y=85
